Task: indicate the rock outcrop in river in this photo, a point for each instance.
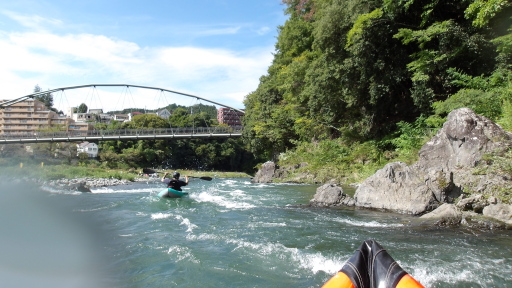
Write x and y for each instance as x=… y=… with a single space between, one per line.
x=445 y=168
x=265 y=173
x=452 y=177
x=331 y=195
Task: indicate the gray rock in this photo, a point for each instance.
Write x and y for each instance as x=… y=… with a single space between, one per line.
x=493 y=200
x=266 y=173
x=502 y=212
x=395 y=187
x=474 y=201
x=445 y=214
x=329 y=195
x=463 y=140
x=82 y=187
x=444 y=167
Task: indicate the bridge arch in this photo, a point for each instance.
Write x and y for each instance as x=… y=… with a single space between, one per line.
x=33 y=95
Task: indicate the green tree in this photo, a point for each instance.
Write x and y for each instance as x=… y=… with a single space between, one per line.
x=82 y=108
x=100 y=126
x=146 y=121
x=180 y=118
x=46 y=98
x=353 y=69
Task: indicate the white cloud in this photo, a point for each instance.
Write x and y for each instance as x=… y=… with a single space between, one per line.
x=263 y=30
x=52 y=61
x=221 y=31
x=33 y=21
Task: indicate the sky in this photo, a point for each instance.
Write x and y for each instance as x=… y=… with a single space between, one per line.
x=214 y=49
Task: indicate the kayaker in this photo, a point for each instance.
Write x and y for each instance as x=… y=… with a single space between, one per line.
x=175 y=182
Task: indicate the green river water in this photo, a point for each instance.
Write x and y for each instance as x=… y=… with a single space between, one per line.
x=226 y=233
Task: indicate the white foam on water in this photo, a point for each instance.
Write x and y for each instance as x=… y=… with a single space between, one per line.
x=230 y=182
x=53 y=190
x=112 y=189
x=181 y=253
x=313 y=262
x=364 y=223
x=221 y=201
x=316 y=262
x=262 y=249
x=187 y=223
x=261 y=185
x=109 y=206
x=267 y=224
x=202 y=237
x=237 y=192
x=428 y=276
x=160 y=216
x=465 y=268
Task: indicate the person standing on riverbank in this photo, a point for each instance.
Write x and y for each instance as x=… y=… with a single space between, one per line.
x=175 y=182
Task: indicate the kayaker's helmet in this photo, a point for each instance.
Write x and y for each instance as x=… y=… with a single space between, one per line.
x=176 y=175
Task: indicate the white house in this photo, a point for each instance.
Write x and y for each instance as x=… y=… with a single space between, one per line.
x=82 y=117
x=122 y=117
x=164 y=113
x=90 y=148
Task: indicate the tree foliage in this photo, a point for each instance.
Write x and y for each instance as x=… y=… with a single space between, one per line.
x=46 y=98
x=146 y=121
x=82 y=108
x=353 y=69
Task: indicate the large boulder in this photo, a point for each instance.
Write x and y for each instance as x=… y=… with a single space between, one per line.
x=395 y=187
x=502 y=212
x=266 y=173
x=445 y=214
x=462 y=141
x=445 y=166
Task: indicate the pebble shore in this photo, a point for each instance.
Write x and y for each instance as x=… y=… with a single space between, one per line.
x=84 y=184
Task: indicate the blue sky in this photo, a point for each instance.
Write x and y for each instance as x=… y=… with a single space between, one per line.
x=215 y=49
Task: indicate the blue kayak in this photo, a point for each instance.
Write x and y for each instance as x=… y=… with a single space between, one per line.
x=171 y=193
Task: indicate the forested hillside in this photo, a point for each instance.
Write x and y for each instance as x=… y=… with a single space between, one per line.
x=361 y=82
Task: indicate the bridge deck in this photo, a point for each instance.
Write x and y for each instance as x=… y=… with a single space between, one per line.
x=122 y=135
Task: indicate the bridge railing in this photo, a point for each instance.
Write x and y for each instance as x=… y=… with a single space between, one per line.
x=124 y=132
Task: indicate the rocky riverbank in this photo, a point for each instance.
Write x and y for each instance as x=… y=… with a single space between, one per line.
x=474 y=211
x=455 y=180
x=85 y=184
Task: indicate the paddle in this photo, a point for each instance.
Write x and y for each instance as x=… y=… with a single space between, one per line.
x=202 y=178
x=151 y=171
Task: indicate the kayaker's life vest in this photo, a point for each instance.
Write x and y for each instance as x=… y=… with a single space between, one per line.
x=176 y=184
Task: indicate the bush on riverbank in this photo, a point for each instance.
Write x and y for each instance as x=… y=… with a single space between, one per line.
x=349 y=162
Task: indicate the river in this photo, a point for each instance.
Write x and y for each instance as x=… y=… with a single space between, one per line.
x=226 y=233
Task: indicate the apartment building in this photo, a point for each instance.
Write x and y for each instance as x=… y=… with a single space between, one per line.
x=229 y=116
x=30 y=116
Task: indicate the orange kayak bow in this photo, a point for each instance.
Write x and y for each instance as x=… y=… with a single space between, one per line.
x=371 y=266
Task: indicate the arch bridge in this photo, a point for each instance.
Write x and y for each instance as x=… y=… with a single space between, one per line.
x=123 y=134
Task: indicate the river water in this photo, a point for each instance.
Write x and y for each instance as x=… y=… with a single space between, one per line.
x=226 y=233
